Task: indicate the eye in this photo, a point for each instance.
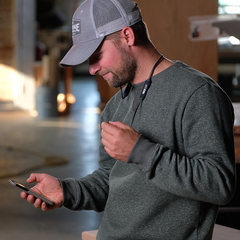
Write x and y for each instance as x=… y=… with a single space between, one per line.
x=95 y=57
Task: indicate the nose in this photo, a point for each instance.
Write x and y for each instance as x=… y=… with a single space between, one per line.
x=94 y=67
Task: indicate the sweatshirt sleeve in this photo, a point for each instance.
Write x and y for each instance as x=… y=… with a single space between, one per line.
x=205 y=169
x=90 y=192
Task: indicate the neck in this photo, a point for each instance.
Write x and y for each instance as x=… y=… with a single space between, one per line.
x=146 y=59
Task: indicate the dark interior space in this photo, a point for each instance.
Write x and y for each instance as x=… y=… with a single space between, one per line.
x=229 y=215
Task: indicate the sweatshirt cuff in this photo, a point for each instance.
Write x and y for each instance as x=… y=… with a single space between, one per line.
x=71 y=193
x=141 y=152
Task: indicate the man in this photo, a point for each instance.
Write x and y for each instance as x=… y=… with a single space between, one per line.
x=166 y=158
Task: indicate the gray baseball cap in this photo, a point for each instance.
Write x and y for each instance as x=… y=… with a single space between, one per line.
x=95 y=19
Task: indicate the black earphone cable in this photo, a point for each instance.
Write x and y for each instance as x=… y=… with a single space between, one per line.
x=146 y=87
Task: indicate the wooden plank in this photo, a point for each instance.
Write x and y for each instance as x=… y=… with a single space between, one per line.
x=219 y=233
x=225 y=233
x=7 y=22
x=89 y=235
x=236 y=130
x=7 y=30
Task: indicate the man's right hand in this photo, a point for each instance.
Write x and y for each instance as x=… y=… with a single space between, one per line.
x=47 y=186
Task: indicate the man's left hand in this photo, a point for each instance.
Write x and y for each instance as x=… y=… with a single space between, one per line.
x=118 y=139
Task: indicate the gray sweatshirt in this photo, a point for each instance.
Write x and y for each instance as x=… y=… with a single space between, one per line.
x=180 y=170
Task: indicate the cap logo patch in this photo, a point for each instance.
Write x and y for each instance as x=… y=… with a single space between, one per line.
x=76 y=28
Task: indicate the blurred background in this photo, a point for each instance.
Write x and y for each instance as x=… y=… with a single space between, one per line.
x=49 y=115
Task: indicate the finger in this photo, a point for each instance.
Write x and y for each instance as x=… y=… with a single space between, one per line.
x=110 y=140
x=38 y=203
x=108 y=133
x=109 y=152
x=45 y=207
x=108 y=128
x=23 y=195
x=119 y=124
x=31 y=199
x=106 y=136
x=106 y=143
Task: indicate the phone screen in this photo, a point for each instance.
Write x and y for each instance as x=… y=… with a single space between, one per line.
x=28 y=191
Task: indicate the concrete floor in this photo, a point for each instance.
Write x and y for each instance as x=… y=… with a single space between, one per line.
x=75 y=137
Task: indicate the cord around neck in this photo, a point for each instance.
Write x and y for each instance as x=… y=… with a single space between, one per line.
x=146 y=85
x=149 y=80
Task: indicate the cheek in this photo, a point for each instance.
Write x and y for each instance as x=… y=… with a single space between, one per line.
x=111 y=61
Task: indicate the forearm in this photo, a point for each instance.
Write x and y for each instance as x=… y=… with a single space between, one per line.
x=196 y=158
x=89 y=193
x=206 y=177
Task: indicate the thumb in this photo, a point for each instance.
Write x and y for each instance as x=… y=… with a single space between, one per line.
x=35 y=177
x=119 y=124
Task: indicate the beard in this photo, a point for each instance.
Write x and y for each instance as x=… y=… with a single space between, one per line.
x=127 y=71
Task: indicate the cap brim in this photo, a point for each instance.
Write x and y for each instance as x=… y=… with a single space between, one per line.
x=79 y=53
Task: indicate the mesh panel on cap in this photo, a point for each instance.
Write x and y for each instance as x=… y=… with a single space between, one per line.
x=104 y=11
x=112 y=15
x=132 y=10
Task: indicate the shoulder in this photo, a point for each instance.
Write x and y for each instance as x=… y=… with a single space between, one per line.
x=182 y=78
x=190 y=76
x=181 y=85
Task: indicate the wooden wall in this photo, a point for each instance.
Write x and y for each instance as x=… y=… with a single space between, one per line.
x=7 y=31
x=7 y=48
x=168 y=25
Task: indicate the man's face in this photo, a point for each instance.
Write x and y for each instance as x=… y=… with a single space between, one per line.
x=113 y=63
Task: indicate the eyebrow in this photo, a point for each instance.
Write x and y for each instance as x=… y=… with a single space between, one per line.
x=98 y=51
x=96 y=54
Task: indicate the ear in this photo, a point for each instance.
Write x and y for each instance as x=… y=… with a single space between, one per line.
x=128 y=35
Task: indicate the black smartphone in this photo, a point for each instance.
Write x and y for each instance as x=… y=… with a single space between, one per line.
x=28 y=191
